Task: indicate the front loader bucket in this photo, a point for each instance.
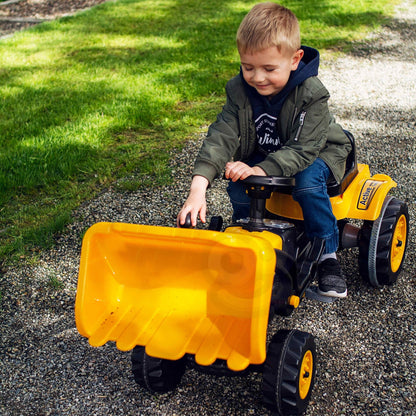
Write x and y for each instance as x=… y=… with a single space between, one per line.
x=176 y=291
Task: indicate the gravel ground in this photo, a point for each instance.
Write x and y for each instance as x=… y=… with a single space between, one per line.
x=366 y=343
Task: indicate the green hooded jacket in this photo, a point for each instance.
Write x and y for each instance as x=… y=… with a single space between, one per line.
x=305 y=126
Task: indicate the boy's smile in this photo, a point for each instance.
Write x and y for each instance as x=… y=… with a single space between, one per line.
x=268 y=70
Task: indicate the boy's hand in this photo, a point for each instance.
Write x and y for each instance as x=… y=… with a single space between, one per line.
x=239 y=170
x=195 y=203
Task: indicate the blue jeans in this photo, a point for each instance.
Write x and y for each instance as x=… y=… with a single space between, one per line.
x=311 y=193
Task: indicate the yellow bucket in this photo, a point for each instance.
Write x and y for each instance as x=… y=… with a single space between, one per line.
x=177 y=291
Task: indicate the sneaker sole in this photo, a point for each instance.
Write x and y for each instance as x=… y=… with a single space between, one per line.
x=333 y=294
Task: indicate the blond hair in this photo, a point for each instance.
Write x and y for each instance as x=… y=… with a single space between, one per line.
x=269 y=24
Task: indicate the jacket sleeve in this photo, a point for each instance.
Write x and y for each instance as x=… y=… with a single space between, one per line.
x=221 y=142
x=306 y=136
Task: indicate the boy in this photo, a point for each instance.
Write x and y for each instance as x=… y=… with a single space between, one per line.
x=276 y=122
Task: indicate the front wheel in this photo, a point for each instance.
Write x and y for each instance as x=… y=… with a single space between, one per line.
x=289 y=372
x=383 y=243
x=156 y=374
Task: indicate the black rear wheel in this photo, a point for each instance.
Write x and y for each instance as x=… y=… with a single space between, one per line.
x=289 y=372
x=383 y=243
x=156 y=374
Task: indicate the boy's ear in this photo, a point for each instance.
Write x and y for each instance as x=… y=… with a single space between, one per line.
x=296 y=58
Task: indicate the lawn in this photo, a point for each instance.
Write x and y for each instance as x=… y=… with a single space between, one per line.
x=106 y=94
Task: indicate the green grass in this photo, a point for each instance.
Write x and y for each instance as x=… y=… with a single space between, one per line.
x=54 y=283
x=106 y=94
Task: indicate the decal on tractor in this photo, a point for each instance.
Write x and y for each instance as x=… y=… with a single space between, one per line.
x=367 y=192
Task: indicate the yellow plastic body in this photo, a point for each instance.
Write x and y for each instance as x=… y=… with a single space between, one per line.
x=362 y=199
x=177 y=291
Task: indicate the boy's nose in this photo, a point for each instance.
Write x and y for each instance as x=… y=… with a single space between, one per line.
x=258 y=76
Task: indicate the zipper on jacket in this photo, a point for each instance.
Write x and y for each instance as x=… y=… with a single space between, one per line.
x=301 y=123
x=295 y=113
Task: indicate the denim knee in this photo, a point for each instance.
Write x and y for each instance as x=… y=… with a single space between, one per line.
x=312 y=179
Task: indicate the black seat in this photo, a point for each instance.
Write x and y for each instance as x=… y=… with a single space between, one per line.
x=351 y=171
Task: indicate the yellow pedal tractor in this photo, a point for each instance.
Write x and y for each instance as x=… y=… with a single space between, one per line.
x=184 y=297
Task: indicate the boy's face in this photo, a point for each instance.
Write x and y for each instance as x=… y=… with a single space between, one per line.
x=268 y=70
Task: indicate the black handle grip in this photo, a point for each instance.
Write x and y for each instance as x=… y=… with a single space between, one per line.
x=188 y=222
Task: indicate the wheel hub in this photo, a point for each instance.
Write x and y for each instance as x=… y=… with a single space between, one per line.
x=305 y=376
x=398 y=246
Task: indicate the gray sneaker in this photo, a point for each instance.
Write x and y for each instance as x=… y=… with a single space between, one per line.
x=331 y=279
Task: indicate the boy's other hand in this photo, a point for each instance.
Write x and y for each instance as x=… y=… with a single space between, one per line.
x=195 y=203
x=240 y=170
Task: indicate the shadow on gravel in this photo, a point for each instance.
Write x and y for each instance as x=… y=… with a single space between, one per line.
x=393 y=41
